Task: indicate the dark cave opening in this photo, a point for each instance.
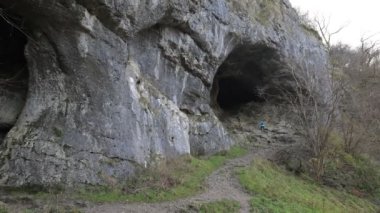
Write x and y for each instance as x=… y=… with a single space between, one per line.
x=13 y=71
x=234 y=92
x=247 y=75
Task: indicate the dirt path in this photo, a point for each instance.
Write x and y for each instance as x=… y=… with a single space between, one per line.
x=221 y=184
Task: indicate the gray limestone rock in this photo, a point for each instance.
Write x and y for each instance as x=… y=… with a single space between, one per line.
x=116 y=85
x=11 y=106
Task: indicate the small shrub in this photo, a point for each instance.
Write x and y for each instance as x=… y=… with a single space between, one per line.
x=366 y=175
x=162 y=176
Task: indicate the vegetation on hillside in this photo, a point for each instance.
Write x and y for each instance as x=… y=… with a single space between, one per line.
x=275 y=190
x=166 y=181
x=222 y=206
x=341 y=127
x=357 y=174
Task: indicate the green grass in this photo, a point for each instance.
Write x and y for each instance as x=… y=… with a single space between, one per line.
x=3 y=209
x=354 y=172
x=222 y=206
x=173 y=180
x=277 y=191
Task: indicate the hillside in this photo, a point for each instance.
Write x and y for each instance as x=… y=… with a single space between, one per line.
x=183 y=106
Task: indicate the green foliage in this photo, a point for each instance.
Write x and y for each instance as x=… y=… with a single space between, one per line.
x=367 y=175
x=222 y=206
x=234 y=152
x=168 y=181
x=356 y=173
x=38 y=191
x=27 y=189
x=277 y=191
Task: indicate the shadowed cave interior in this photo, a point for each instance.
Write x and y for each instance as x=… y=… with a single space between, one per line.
x=13 y=71
x=247 y=75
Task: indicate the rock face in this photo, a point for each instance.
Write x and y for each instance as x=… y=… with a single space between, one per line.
x=115 y=85
x=11 y=105
x=13 y=76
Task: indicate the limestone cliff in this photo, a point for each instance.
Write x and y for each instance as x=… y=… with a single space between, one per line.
x=117 y=84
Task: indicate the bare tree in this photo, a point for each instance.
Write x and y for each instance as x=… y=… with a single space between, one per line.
x=352 y=133
x=324 y=29
x=369 y=54
x=359 y=78
x=315 y=116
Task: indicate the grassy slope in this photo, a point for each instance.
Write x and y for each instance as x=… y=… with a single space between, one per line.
x=188 y=177
x=277 y=191
x=222 y=206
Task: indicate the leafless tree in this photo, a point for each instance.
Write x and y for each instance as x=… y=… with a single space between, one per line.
x=315 y=116
x=359 y=77
x=322 y=24
x=369 y=54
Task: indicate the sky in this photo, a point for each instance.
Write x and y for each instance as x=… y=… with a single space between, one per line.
x=360 y=18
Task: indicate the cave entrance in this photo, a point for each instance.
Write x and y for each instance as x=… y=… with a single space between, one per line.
x=13 y=71
x=247 y=75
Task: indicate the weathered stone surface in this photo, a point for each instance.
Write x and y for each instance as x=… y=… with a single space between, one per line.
x=13 y=75
x=117 y=84
x=11 y=106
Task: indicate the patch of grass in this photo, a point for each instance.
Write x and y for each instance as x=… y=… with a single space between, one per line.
x=366 y=175
x=60 y=209
x=29 y=211
x=50 y=209
x=221 y=206
x=167 y=181
x=34 y=191
x=277 y=191
x=3 y=209
x=357 y=174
